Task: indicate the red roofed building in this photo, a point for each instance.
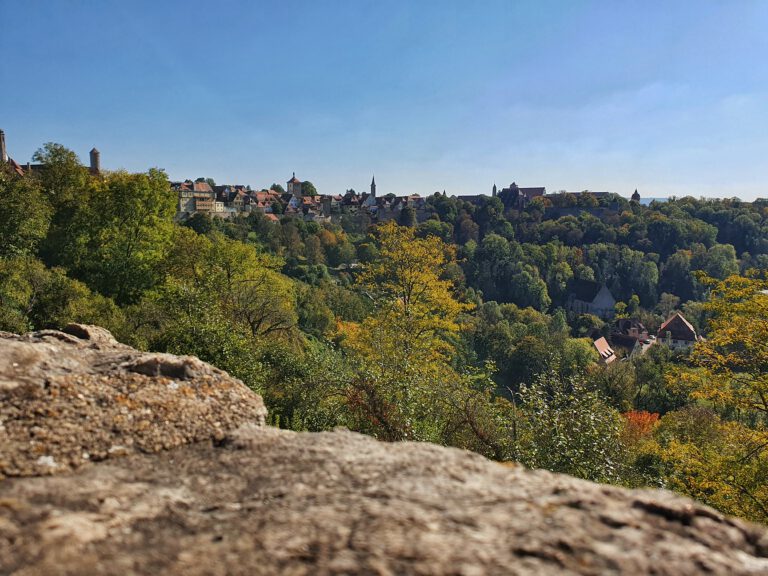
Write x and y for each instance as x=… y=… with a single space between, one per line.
x=678 y=333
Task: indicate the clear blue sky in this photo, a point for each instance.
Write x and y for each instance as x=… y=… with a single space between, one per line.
x=668 y=97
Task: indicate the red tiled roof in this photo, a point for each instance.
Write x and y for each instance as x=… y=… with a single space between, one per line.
x=202 y=187
x=16 y=167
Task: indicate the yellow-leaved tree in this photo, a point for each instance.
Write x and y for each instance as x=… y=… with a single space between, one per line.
x=734 y=356
x=405 y=381
x=718 y=452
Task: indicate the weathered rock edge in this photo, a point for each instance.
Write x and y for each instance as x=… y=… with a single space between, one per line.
x=75 y=396
x=266 y=501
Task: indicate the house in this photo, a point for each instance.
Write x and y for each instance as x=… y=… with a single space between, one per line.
x=631 y=335
x=196 y=197
x=587 y=297
x=607 y=355
x=678 y=333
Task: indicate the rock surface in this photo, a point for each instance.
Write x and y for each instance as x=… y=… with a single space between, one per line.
x=256 y=500
x=74 y=396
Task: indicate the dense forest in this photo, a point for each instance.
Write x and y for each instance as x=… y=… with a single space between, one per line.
x=452 y=330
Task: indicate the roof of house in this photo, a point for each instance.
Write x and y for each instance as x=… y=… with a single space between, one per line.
x=624 y=340
x=679 y=328
x=603 y=348
x=202 y=187
x=624 y=325
x=16 y=167
x=585 y=290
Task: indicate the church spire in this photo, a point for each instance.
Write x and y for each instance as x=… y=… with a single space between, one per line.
x=373 y=186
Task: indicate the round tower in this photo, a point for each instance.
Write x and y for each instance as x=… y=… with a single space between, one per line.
x=95 y=161
x=3 y=152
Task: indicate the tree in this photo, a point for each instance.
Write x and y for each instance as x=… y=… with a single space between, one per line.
x=721 y=463
x=721 y=456
x=25 y=214
x=122 y=233
x=33 y=297
x=734 y=356
x=200 y=222
x=668 y=303
x=308 y=189
x=566 y=427
x=313 y=250
x=402 y=352
x=65 y=183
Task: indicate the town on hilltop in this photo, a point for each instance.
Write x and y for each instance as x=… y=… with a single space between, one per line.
x=300 y=199
x=225 y=201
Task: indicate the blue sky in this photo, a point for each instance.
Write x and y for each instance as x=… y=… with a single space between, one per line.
x=667 y=97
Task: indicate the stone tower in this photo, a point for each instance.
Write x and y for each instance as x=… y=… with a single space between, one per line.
x=636 y=196
x=95 y=161
x=294 y=186
x=493 y=192
x=373 y=186
x=3 y=151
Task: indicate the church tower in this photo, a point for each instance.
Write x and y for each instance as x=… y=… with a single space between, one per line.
x=3 y=151
x=294 y=186
x=373 y=186
x=636 y=196
x=493 y=192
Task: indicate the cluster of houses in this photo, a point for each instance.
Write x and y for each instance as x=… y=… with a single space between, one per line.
x=229 y=200
x=631 y=338
x=627 y=335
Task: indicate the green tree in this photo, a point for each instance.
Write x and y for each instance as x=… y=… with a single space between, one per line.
x=200 y=222
x=33 y=297
x=66 y=184
x=308 y=189
x=565 y=426
x=24 y=214
x=123 y=232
